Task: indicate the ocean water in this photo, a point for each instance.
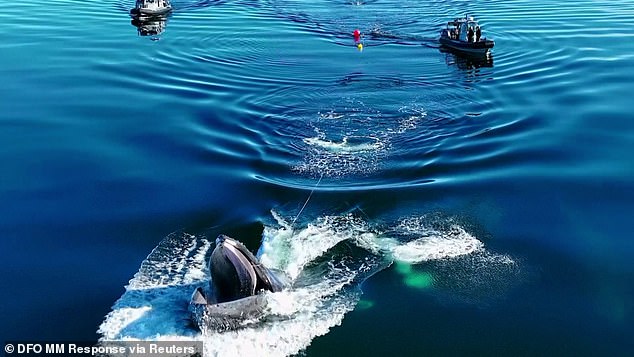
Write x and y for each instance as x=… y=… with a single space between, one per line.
x=423 y=203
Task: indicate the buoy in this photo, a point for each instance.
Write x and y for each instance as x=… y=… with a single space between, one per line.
x=360 y=46
x=357 y=35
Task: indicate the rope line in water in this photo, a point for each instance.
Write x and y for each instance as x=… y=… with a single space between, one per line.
x=308 y=199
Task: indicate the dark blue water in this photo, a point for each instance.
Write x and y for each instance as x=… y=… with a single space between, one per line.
x=112 y=140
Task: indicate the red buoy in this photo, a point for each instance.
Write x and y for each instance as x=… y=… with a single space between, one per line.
x=357 y=35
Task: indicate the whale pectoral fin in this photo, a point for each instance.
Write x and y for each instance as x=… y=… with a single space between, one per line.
x=198 y=297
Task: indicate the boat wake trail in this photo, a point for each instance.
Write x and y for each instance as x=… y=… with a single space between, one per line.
x=326 y=260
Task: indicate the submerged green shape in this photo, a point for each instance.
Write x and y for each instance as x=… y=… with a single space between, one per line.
x=422 y=280
x=403 y=268
x=365 y=304
x=412 y=278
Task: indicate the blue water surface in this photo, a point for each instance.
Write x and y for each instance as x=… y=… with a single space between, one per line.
x=111 y=140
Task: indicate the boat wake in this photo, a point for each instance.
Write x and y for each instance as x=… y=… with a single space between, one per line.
x=326 y=260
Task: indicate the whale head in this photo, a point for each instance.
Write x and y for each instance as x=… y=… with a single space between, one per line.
x=236 y=273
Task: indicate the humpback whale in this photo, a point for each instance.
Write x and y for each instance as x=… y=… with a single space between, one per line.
x=237 y=282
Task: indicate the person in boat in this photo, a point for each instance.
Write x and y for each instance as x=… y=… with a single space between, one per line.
x=470 y=34
x=478 y=34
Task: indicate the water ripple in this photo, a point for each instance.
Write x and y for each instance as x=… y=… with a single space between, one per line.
x=273 y=69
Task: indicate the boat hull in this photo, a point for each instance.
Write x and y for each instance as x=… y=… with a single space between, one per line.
x=481 y=47
x=151 y=12
x=160 y=11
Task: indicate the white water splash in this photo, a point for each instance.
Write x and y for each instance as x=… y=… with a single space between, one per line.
x=433 y=243
x=302 y=247
x=348 y=145
x=155 y=301
x=353 y=154
x=154 y=306
x=355 y=141
x=324 y=275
